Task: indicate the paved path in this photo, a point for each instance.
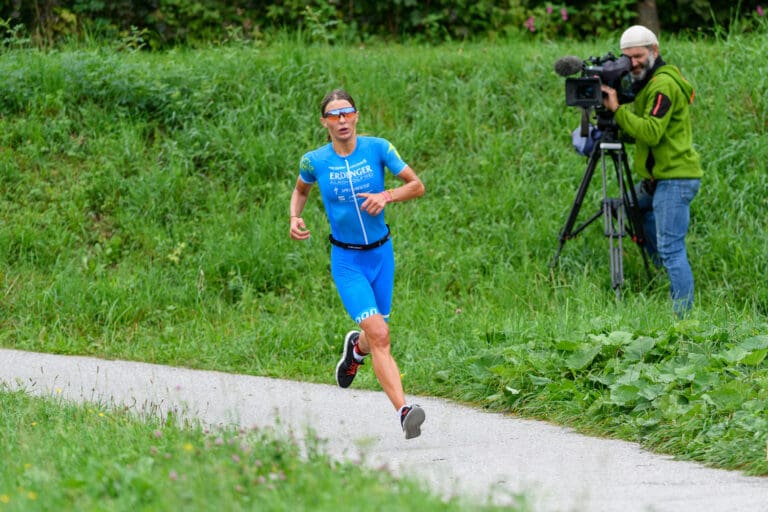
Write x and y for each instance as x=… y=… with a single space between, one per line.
x=461 y=450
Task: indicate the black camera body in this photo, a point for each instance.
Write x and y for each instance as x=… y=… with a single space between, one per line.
x=585 y=92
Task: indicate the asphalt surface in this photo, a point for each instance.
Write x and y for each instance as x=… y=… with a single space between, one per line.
x=461 y=452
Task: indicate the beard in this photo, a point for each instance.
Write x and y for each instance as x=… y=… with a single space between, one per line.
x=643 y=72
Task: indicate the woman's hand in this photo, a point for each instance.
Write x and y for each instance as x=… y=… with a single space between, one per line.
x=374 y=203
x=299 y=230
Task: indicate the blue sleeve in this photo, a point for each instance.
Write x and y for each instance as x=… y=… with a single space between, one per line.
x=307 y=170
x=391 y=158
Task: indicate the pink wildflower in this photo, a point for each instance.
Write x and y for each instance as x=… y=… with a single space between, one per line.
x=760 y=11
x=529 y=24
x=549 y=9
x=564 y=13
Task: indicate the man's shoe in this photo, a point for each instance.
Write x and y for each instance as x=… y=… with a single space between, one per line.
x=347 y=367
x=411 y=419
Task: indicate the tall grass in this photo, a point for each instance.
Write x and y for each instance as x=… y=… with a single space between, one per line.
x=144 y=205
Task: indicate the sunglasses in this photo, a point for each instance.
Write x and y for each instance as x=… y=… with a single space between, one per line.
x=336 y=114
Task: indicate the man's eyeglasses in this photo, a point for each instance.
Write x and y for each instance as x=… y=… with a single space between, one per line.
x=336 y=114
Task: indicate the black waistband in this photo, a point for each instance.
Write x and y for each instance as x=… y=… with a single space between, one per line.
x=361 y=247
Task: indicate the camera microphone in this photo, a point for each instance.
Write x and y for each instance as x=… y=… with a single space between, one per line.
x=567 y=66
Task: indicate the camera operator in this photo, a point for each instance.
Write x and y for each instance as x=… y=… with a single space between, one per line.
x=659 y=122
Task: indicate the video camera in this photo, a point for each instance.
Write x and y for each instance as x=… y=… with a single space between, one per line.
x=584 y=91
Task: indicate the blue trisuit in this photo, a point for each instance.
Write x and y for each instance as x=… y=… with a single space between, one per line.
x=364 y=278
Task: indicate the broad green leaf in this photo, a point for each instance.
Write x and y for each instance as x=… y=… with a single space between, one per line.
x=612 y=339
x=567 y=345
x=734 y=355
x=642 y=406
x=631 y=374
x=671 y=406
x=686 y=373
x=637 y=349
x=706 y=380
x=755 y=358
x=647 y=422
x=730 y=396
x=650 y=391
x=624 y=394
x=755 y=342
x=755 y=406
x=742 y=355
x=562 y=385
x=583 y=357
x=539 y=381
x=665 y=375
x=606 y=379
x=543 y=361
x=619 y=338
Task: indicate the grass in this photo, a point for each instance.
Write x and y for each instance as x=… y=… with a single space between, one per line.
x=144 y=216
x=59 y=456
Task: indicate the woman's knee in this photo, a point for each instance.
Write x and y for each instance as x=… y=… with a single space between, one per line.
x=377 y=334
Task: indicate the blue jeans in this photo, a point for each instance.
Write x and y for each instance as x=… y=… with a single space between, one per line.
x=666 y=216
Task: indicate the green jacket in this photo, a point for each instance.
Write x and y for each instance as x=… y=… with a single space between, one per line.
x=659 y=121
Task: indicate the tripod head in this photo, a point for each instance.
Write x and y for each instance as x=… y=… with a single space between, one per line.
x=607 y=125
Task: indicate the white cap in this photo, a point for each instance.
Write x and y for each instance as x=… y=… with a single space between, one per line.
x=637 y=35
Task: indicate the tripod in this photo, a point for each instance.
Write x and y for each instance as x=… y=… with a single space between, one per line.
x=621 y=216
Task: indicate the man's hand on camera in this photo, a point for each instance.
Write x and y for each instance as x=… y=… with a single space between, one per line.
x=610 y=98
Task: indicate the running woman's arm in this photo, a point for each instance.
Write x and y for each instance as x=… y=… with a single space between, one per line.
x=299 y=197
x=411 y=188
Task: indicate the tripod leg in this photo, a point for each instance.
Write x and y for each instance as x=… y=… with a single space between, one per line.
x=614 y=231
x=620 y=215
x=568 y=231
x=618 y=252
x=634 y=215
x=614 y=222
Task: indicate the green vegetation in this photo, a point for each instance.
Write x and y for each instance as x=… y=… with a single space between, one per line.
x=167 y=23
x=144 y=198
x=60 y=457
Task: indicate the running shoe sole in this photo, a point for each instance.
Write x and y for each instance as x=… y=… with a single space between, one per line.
x=412 y=422
x=347 y=347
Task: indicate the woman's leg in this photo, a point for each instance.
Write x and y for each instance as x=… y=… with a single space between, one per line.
x=374 y=339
